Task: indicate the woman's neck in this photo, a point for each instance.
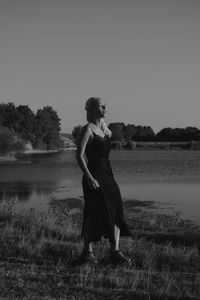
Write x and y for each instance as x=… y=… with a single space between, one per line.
x=96 y=122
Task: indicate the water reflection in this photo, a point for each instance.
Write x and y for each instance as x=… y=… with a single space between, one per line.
x=160 y=176
x=167 y=197
x=22 y=191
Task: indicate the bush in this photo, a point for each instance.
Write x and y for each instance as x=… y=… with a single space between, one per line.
x=9 y=142
x=117 y=145
x=130 y=145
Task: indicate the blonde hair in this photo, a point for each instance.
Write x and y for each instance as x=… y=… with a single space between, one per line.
x=90 y=104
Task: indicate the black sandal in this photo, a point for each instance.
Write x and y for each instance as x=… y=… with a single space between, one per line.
x=87 y=257
x=117 y=257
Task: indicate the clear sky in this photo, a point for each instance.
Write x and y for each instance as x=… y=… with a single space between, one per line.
x=141 y=56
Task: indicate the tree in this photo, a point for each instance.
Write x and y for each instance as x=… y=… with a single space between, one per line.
x=76 y=132
x=178 y=134
x=192 y=134
x=144 y=133
x=2 y=114
x=10 y=116
x=165 y=135
x=47 y=128
x=26 y=127
x=130 y=132
x=117 y=130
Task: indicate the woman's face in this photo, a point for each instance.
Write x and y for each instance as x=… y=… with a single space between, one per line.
x=100 y=109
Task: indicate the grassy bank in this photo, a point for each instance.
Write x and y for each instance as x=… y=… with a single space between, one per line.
x=7 y=158
x=38 y=256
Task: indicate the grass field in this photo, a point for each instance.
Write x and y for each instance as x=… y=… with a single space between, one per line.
x=39 y=251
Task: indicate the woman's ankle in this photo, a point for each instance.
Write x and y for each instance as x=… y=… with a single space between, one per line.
x=87 y=250
x=114 y=249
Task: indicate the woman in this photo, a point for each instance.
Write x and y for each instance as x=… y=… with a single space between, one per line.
x=103 y=211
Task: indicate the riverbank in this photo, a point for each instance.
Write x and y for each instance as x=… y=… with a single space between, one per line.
x=39 y=251
x=130 y=145
x=38 y=151
x=116 y=145
x=17 y=158
x=7 y=158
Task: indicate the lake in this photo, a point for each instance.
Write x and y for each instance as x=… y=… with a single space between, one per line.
x=170 y=178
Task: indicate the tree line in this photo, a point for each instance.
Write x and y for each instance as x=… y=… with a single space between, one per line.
x=19 y=124
x=131 y=132
x=120 y=132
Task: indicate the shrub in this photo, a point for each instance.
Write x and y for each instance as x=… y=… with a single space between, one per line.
x=9 y=142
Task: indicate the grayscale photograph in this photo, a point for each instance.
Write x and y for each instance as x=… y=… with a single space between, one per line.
x=100 y=149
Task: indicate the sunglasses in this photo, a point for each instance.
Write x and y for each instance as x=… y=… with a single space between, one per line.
x=102 y=106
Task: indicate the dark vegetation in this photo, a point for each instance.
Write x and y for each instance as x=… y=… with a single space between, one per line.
x=19 y=125
x=39 y=251
x=135 y=133
x=131 y=136
x=9 y=142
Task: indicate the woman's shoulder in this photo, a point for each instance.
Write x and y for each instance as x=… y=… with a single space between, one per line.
x=86 y=129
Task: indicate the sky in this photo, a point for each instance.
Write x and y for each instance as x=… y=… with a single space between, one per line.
x=141 y=56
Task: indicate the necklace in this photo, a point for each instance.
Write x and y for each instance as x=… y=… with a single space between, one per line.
x=97 y=129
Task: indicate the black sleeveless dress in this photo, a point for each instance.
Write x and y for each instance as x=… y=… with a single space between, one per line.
x=103 y=206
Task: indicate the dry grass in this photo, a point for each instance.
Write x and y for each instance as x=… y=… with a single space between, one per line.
x=38 y=255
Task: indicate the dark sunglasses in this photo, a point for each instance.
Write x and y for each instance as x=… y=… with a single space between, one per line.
x=103 y=106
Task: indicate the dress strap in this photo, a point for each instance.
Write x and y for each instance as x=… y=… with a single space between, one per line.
x=91 y=129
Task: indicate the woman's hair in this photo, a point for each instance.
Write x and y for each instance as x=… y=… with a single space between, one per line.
x=90 y=105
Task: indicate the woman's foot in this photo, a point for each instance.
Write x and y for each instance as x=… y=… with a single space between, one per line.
x=88 y=257
x=117 y=257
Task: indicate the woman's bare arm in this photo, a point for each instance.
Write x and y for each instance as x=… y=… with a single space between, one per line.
x=83 y=140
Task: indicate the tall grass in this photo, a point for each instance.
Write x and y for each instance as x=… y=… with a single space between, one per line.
x=38 y=253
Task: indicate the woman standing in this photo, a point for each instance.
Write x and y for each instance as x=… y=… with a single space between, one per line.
x=103 y=211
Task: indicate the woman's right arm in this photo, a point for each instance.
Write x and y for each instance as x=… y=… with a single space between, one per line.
x=86 y=133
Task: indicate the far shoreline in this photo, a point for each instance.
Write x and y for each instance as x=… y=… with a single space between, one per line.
x=143 y=146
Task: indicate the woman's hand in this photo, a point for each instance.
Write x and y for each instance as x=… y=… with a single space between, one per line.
x=108 y=133
x=93 y=183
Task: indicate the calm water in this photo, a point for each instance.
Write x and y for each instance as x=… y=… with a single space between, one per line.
x=170 y=178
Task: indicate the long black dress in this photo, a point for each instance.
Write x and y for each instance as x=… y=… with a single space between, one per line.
x=103 y=206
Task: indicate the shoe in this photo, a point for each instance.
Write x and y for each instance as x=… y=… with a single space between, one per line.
x=117 y=257
x=87 y=257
